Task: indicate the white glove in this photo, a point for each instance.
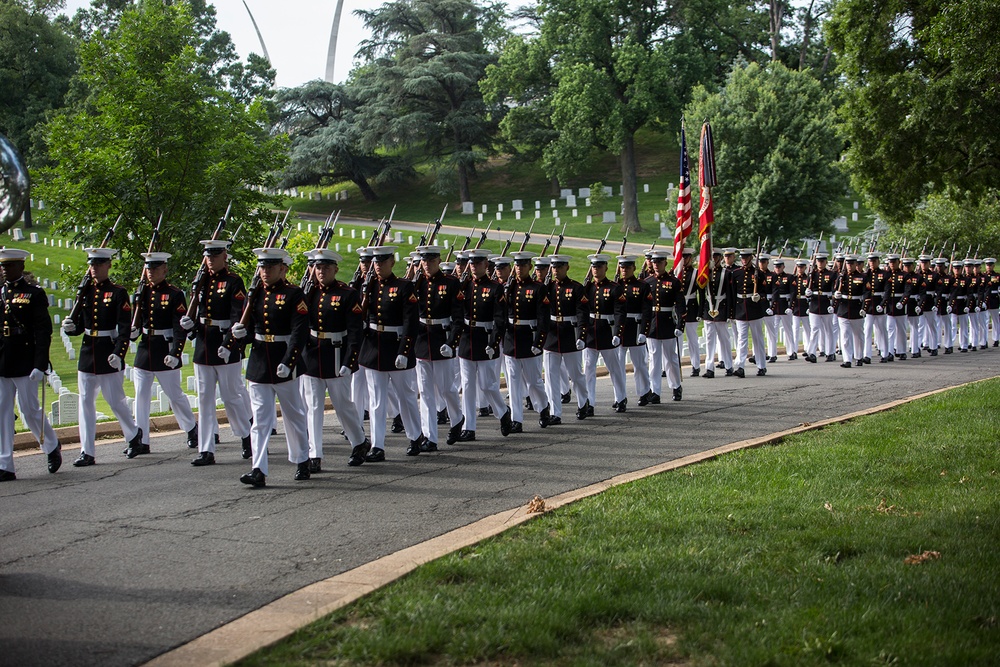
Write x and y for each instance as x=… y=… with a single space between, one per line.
x=283 y=371
x=616 y=341
x=678 y=333
x=224 y=353
x=171 y=362
x=899 y=306
x=788 y=311
x=640 y=339
x=829 y=309
x=344 y=371
x=134 y=334
x=862 y=312
x=949 y=310
x=446 y=351
x=837 y=294
x=69 y=326
x=966 y=309
x=809 y=292
x=769 y=311
x=36 y=375
x=187 y=323
x=919 y=310
x=535 y=351
x=115 y=362
x=401 y=361
x=490 y=352
x=239 y=331
x=580 y=344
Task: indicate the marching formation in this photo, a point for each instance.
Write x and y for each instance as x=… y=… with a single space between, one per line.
x=424 y=351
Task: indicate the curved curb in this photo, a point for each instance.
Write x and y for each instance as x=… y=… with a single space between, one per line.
x=276 y=620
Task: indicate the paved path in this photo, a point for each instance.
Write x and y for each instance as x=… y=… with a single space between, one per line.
x=115 y=564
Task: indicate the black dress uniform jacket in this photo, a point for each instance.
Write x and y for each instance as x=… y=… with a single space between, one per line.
x=527 y=318
x=664 y=306
x=693 y=295
x=718 y=295
x=992 y=285
x=607 y=307
x=27 y=329
x=336 y=329
x=277 y=311
x=569 y=312
x=161 y=311
x=781 y=295
x=104 y=308
x=390 y=303
x=821 y=283
x=485 y=318
x=748 y=281
x=878 y=289
x=914 y=291
x=959 y=297
x=635 y=292
x=222 y=300
x=945 y=283
x=896 y=293
x=932 y=285
x=440 y=311
x=853 y=295
x=797 y=294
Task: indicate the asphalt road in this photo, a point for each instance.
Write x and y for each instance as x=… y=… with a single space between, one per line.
x=117 y=563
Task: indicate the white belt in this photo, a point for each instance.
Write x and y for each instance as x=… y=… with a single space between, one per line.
x=166 y=333
x=563 y=318
x=383 y=328
x=271 y=338
x=480 y=325
x=606 y=318
x=914 y=296
x=98 y=333
x=853 y=298
x=440 y=321
x=932 y=294
x=897 y=295
x=663 y=309
x=688 y=297
x=993 y=291
x=522 y=323
x=823 y=293
x=963 y=298
x=222 y=324
x=746 y=296
x=335 y=336
x=634 y=316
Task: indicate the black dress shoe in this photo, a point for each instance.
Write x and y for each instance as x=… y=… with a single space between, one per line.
x=358 y=453
x=590 y=409
x=585 y=411
x=811 y=358
x=516 y=427
x=217 y=438
x=527 y=403
x=972 y=348
x=544 y=417
x=996 y=343
x=84 y=460
x=136 y=440
x=883 y=360
x=859 y=363
x=428 y=446
x=467 y=436
x=413 y=449
x=397 y=424
x=793 y=356
x=554 y=421
x=7 y=476
x=982 y=347
x=867 y=360
x=55 y=459
x=654 y=399
x=739 y=372
x=891 y=358
x=730 y=372
x=505 y=423
x=915 y=355
x=376 y=455
x=901 y=357
x=761 y=372
x=565 y=397
x=484 y=412
x=933 y=353
x=442 y=416
x=663 y=374
x=204 y=459
x=315 y=465
x=831 y=357
x=247 y=448
x=622 y=406
x=254 y=478
x=455 y=431
x=695 y=372
x=709 y=374
x=752 y=359
x=678 y=393
x=302 y=471
x=721 y=364
x=847 y=364
x=771 y=360
x=135 y=450
x=949 y=350
x=644 y=399
x=193 y=438
x=365 y=416
x=963 y=350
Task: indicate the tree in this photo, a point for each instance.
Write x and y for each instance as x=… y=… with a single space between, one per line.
x=954 y=220
x=419 y=88
x=776 y=150
x=921 y=99
x=322 y=121
x=151 y=132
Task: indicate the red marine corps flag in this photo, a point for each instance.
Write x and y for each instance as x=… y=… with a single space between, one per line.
x=706 y=181
x=683 y=208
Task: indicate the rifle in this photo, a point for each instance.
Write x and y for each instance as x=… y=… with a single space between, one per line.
x=201 y=276
x=322 y=241
x=507 y=243
x=366 y=286
x=376 y=234
x=590 y=272
x=923 y=251
x=451 y=249
x=479 y=244
x=255 y=282
x=527 y=236
x=645 y=263
x=559 y=242
x=619 y=273
x=87 y=276
x=140 y=293
x=548 y=242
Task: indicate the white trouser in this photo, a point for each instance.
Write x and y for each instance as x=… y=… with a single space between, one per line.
x=896 y=328
x=947 y=332
x=808 y=340
x=980 y=327
x=835 y=328
x=663 y=351
x=744 y=330
x=437 y=381
x=771 y=327
x=170 y=382
x=639 y=355
x=293 y=416
x=822 y=333
x=555 y=364
x=932 y=330
x=787 y=326
x=110 y=386
x=616 y=369
x=960 y=325
x=359 y=390
x=525 y=375
x=718 y=342
x=694 y=346
x=314 y=391
x=851 y=333
x=913 y=322
x=480 y=377
x=235 y=398
x=993 y=318
x=34 y=418
x=875 y=326
x=392 y=401
x=380 y=383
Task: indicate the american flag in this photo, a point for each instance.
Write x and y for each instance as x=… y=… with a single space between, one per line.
x=683 y=208
x=706 y=215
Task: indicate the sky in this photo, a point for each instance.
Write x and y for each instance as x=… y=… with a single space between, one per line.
x=296 y=33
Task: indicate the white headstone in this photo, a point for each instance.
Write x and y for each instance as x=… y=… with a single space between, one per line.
x=517 y=205
x=571 y=200
x=71 y=354
x=552 y=203
x=468 y=208
x=583 y=192
x=538 y=204
x=664 y=232
x=840 y=224
x=645 y=187
x=608 y=191
x=18 y=234
x=190 y=383
x=340 y=231
x=670 y=187
x=517 y=215
x=399 y=237
x=590 y=219
x=499 y=215
x=587 y=202
x=574 y=212
x=500 y=207
x=310 y=227
x=485 y=208
x=656 y=217
x=855 y=206
x=52 y=302
x=609 y=217
x=555 y=213
x=480 y=217
x=565 y=192
x=621 y=190
x=854 y=217
x=354 y=233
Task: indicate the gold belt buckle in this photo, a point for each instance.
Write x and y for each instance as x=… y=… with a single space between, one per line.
x=6 y=331
x=94 y=333
x=268 y=338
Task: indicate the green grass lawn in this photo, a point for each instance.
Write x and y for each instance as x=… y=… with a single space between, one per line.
x=794 y=554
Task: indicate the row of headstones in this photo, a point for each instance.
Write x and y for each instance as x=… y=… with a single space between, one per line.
x=608 y=217
x=340 y=195
x=469 y=208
